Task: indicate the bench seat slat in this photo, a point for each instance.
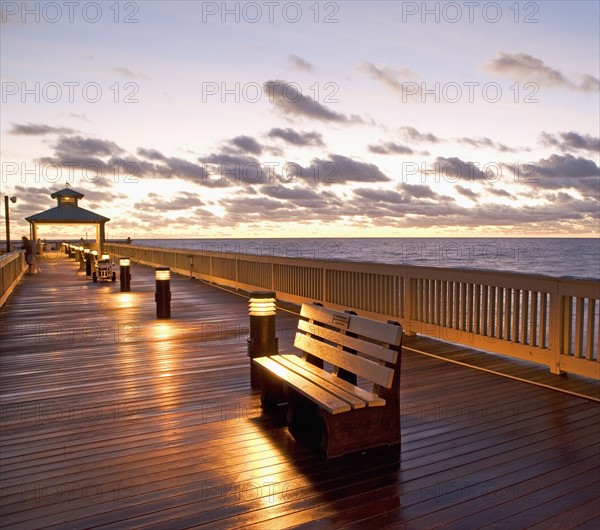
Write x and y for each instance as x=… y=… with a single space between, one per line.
x=363 y=346
x=371 y=400
x=353 y=363
x=315 y=393
x=300 y=369
x=373 y=329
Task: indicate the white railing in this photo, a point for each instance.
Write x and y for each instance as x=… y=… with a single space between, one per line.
x=12 y=268
x=551 y=321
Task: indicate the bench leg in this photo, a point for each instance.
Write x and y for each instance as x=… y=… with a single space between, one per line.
x=358 y=430
x=303 y=420
x=273 y=398
x=334 y=435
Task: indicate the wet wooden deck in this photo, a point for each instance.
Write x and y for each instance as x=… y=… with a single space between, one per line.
x=113 y=419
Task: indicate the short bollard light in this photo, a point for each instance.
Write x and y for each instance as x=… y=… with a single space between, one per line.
x=125 y=274
x=88 y=263
x=262 y=339
x=162 y=295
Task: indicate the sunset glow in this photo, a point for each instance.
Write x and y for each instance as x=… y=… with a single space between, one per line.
x=309 y=119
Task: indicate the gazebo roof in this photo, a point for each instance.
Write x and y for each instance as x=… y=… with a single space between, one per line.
x=67 y=192
x=67 y=214
x=67 y=210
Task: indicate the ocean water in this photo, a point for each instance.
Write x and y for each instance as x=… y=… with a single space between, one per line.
x=556 y=257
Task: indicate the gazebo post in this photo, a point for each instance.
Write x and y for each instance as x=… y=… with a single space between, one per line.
x=33 y=233
x=102 y=236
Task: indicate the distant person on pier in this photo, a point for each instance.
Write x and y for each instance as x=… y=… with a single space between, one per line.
x=29 y=253
x=128 y=241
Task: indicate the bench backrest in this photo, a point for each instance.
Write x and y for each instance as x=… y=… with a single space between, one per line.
x=353 y=345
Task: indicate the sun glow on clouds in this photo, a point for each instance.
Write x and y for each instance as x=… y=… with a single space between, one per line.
x=352 y=128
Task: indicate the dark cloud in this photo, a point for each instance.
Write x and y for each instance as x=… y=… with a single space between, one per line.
x=231 y=169
x=33 y=199
x=247 y=144
x=300 y=63
x=453 y=169
x=571 y=141
x=37 y=129
x=419 y=191
x=408 y=200
x=242 y=209
x=470 y=194
x=374 y=196
x=301 y=138
x=569 y=172
x=391 y=148
x=405 y=194
x=400 y=209
x=303 y=197
x=488 y=142
x=339 y=169
x=289 y=193
x=288 y=98
x=183 y=201
x=500 y=192
x=103 y=162
x=78 y=146
x=151 y=154
x=525 y=67
x=412 y=134
x=568 y=166
x=174 y=167
x=562 y=172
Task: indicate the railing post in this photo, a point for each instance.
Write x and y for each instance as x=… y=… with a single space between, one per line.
x=557 y=331
x=324 y=293
x=409 y=305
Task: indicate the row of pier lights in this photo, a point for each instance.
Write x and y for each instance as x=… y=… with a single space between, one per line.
x=162 y=275
x=262 y=304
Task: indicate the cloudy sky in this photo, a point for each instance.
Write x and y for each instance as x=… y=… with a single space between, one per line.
x=305 y=119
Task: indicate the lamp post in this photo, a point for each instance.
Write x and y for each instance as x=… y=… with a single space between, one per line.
x=6 y=216
x=125 y=274
x=88 y=263
x=162 y=296
x=262 y=339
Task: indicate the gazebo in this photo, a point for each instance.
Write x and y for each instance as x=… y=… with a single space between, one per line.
x=68 y=212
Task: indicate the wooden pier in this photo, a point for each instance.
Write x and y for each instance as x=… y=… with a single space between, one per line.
x=111 y=418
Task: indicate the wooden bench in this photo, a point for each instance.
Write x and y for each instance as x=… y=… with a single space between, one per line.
x=352 y=405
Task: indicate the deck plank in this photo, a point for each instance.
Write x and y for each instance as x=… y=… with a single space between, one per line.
x=113 y=418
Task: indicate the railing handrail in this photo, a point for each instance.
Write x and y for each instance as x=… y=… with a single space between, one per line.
x=10 y=255
x=516 y=280
x=12 y=267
